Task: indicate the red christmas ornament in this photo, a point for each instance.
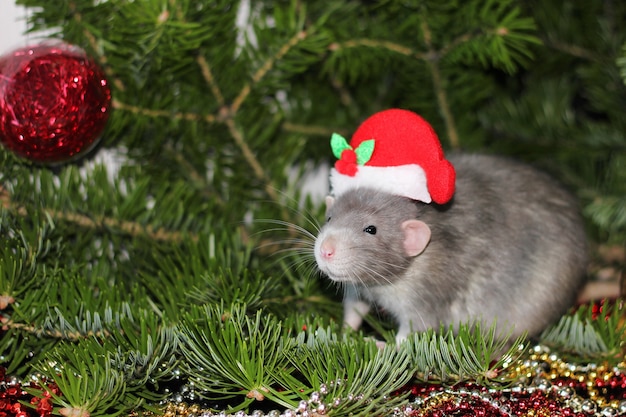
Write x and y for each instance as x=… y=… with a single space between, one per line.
x=54 y=102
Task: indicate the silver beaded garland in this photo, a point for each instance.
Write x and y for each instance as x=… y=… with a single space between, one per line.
x=609 y=412
x=588 y=406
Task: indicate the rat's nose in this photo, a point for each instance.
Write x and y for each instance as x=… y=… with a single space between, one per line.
x=328 y=248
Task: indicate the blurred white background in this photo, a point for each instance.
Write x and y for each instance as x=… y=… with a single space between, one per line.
x=12 y=26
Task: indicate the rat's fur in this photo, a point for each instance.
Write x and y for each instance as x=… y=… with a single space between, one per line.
x=510 y=246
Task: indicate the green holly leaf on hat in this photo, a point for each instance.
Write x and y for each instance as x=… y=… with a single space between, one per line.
x=338 y=144
x=363 y=152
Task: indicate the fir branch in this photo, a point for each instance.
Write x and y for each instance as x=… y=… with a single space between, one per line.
x=7 y=204
x=20 y=350
x=344 y=95
x=431 y=57
x=64 y=305
x=127 y=227
x=471 y=352
x=205 y=68
x=230 y=355
x=191 y=117
x=621 y=63
x=265 y=68
x=589 y=335
x=179 y=12
x=573 y=50
x=196 y=177
x=228 y=115
x=362 y=378
x=608 y=212
x=89 y=386
x=310 y=130
x=22 y=254
x=146 y=352
x=52 y=333
x=214 y=270
x=460 y=40
x=100 y=223
x=376 y=43
x=251 y=158
x=438 y=85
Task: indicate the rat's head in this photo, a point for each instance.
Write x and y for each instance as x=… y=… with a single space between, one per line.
x=370 y=237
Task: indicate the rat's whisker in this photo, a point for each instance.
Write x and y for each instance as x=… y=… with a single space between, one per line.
x=287 y=227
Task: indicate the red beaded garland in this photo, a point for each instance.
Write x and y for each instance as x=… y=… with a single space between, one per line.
x=466 y=399
x=54 y=102
x=13 y=398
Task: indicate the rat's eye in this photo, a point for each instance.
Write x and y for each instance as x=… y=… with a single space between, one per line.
x=370 y=229
x=328 y=219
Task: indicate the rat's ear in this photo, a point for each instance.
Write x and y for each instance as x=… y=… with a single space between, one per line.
x=330 y=200
x=416 y=237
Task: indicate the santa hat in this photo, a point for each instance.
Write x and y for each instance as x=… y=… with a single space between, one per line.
x=394 y=151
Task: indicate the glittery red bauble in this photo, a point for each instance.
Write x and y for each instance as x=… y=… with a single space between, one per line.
x=54 y=102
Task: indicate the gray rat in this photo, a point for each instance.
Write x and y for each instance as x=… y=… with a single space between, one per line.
x=510 y=246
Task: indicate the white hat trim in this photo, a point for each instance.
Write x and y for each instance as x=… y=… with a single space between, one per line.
x=404 y=180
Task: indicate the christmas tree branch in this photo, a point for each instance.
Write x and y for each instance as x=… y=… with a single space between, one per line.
x=127 y=227
x=210 y=80
x=309 y=130
x=227 y=114
x=193 y=117
x=573 y=50
x=254 y=163
x=442 y=99
x=344 y=95
x=431 y=58
x=179 y=12
x=376 y=43
x=452 y=45
x=55 y=334
x=196 y=177
x=265 y=68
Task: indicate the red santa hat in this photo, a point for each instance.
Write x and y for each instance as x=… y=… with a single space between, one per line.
x=395 y=151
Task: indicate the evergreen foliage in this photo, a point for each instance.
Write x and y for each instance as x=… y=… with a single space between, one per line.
x=119 y=278
x=584 y=335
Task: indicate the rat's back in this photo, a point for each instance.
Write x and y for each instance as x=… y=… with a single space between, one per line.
x=514 y=241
